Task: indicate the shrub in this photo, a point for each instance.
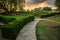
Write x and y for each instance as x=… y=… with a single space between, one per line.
x=12 y=29
x=50 y=14
x=6 y=19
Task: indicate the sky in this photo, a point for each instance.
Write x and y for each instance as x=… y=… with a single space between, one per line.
x=32 y=4
x=34 y=1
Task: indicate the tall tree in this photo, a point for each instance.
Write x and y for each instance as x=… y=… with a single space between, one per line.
x=4 y=5
x=57 y=3
x=21 y=4
x=11 y=5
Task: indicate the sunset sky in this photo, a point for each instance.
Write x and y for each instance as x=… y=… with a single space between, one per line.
x=32 y=4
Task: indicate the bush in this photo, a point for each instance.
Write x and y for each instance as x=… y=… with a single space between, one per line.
x=6 y=19
x=47 y=9
x=12 y=29
x=50 y=14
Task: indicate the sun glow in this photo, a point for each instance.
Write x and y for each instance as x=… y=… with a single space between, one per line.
x=33 y=6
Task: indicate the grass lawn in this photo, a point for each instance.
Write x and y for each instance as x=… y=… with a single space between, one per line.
x=49 y=29
x=56 y=18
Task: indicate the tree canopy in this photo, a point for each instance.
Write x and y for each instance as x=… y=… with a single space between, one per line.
x=57 y=3
x=12 y=5
x=47 y=9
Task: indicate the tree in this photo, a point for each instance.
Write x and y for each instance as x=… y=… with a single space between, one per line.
x=57 y=3
x=3 y=5
x=21 y=4
x=11 y=5
x=47 y=9
x=38 y=11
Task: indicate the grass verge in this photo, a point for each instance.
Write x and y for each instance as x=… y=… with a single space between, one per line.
x=48 y=29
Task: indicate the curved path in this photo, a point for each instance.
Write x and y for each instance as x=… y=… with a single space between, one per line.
x=28 y=32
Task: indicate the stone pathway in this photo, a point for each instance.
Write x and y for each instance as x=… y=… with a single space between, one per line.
x=28 y=32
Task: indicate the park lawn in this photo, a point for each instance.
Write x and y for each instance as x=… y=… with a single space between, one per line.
x=56 y=18
x=49 y=30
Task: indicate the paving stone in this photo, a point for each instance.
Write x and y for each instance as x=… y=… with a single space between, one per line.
x=28 y=32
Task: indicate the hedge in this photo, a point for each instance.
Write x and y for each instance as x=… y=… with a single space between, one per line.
x=48 y=15
x=6 y=19
x=11 y=30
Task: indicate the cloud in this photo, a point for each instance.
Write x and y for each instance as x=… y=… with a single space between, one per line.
x=34 y=1
x=39 y=1
x=51 y=2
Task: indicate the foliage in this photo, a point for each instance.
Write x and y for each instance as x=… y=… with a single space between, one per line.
x=11 y=5
x=57 y=2
x=48 y=30
x=11 y=30
x=56 y=18
x=49 y=14
x=6 y=19
x=47 y=9
x=37 y=12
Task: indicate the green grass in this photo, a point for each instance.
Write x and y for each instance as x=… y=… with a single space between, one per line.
x=49 y=30
x=56 y=18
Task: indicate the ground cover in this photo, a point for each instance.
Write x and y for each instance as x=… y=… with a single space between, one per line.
x=49 y=29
